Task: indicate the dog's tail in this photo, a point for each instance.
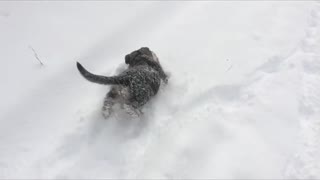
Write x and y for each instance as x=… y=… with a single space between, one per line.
x=114 y=80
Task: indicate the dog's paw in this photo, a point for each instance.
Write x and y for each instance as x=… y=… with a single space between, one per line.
x=106 y=113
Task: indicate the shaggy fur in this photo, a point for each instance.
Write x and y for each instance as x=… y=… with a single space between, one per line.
x=133 y=87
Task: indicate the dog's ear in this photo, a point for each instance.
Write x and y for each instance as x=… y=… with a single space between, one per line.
x=127 y=59
x=130 y=58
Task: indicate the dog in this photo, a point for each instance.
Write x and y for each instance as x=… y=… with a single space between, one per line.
x=134 y=86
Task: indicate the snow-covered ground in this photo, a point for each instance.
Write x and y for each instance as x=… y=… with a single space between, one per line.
x=243 y=99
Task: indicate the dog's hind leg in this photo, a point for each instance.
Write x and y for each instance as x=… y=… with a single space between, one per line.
x=109 y=101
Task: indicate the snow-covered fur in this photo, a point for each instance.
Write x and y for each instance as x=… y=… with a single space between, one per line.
x=133 y=87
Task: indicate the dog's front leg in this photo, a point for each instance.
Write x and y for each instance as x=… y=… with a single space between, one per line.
x=133 y=111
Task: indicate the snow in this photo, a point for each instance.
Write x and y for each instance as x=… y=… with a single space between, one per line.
x=242 y=99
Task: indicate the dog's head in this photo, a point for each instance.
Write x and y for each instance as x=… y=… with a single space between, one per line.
x=137 y=57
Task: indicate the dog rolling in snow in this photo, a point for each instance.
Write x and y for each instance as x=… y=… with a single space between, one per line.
x=133 y=87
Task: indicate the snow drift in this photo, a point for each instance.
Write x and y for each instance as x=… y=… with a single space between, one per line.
x=242 y=99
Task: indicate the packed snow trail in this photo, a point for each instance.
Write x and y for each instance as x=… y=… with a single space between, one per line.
x=242 y=99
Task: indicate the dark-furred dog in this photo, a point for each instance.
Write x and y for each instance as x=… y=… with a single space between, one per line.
x=133 y=87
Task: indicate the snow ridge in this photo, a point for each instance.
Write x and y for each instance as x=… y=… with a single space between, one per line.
x=306 y=163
